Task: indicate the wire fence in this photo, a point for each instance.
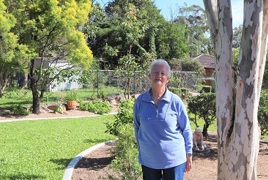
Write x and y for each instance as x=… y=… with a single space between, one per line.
x=135 y=83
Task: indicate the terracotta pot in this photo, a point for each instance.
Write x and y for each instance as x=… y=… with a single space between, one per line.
x=71 y=104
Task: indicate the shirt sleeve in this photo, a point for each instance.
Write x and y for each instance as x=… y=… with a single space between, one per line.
x=136 y=121
x=186 y=130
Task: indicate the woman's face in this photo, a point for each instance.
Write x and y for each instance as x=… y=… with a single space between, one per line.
x=159 y=76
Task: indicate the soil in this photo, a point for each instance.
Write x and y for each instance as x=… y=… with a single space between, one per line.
x=96 y=165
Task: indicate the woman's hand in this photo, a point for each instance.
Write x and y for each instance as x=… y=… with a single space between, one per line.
x=188 y=163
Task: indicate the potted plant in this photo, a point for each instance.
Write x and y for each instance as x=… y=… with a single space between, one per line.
x=71 y=100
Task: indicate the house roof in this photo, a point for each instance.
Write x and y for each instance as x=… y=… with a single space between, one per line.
x=207 y=61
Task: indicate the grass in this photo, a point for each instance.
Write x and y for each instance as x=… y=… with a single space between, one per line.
x=212 y=127
x=200 y=122
x=15 y=97
x=42 y=149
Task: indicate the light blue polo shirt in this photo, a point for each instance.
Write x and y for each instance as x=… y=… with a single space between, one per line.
x=163 y=133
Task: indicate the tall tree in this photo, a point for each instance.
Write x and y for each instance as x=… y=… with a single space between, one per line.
x=237 y=98
x=171 y=41
x=129 y=24
x=125 y=37
x=133 y=28
x=7 y=45
x=193 y=18
x=51 y=31
x=12 y=54
x=135 y=24
x=97 y=29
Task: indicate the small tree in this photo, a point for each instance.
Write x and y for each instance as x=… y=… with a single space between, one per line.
x=51 y=30
x=126 y=153
x=12 y=54
x=93 y=78
x=204 y=107
x=124 y=116
x=263 y=113
x=134 y=29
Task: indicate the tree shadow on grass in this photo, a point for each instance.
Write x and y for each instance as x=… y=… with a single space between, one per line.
x=95 y=141
x=22 y=176
x=94 y=163
x=63 y=163
x=7 y=105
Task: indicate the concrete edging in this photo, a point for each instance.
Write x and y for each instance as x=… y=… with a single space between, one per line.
x=52 y=118
x=70 y=168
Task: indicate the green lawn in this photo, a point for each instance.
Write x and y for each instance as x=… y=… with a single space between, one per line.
x=212 y=127
x=42 y=149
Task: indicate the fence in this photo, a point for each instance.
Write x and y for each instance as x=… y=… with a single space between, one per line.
x=138 y=82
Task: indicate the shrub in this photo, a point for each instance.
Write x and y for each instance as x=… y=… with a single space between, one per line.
x=124 y=116
x=19 y=110
x=96 y=106
x=184 y=93
x=174 y=90
x=126 y=153
x=203 y=107
x=83 y=105
x=206 y=89
x=263 y=113
x=18 y=94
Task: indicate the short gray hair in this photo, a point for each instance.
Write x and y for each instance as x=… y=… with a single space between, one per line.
x=162 y=62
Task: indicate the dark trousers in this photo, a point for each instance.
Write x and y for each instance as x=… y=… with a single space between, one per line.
x=175 y=173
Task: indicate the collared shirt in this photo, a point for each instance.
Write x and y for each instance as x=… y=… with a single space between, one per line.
x=163 y=132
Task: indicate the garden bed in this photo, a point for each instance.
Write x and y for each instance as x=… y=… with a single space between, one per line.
x=6 y=114
x=96 y=165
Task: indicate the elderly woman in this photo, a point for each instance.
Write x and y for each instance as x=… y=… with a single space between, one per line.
x=162 y=129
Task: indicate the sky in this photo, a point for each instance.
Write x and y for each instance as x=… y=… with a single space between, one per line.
x=169 y=7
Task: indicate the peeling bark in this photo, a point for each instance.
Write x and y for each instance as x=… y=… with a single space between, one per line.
x=238 y=136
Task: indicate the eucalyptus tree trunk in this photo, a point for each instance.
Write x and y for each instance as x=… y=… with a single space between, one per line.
x=238 y=89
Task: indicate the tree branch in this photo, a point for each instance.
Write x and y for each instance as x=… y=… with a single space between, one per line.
x=211 y=7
